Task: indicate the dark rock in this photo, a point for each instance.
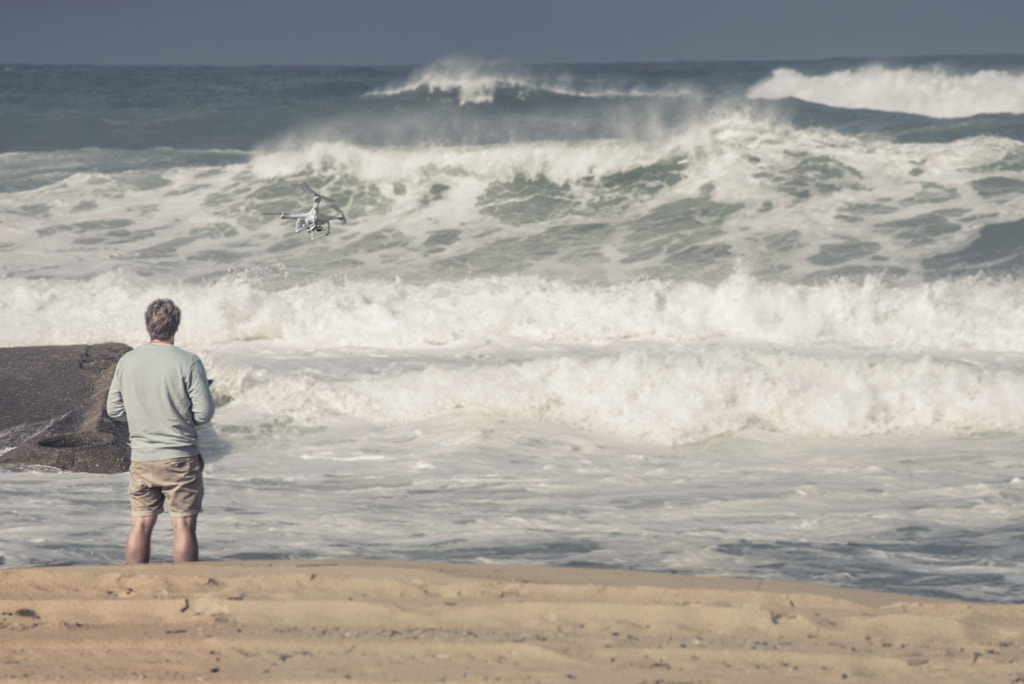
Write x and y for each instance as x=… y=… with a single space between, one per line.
x=53 y=408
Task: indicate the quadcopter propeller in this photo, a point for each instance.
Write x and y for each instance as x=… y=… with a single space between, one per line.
x=316 y=194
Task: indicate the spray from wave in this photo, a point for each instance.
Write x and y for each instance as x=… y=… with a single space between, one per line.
x=474 y=80
x=477 y=82
x=932 y=92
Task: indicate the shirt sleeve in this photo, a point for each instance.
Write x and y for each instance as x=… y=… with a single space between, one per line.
x=115 y=401
x=199 y=393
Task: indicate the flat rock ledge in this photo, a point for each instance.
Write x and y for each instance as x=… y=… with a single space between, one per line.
x=53 y=409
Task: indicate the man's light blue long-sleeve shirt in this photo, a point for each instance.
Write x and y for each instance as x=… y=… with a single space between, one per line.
x=162 y=392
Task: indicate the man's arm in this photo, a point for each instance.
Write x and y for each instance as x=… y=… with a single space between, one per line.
x=115 y=402
x=199 y=393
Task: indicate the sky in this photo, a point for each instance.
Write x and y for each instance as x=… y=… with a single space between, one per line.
x=416 y=32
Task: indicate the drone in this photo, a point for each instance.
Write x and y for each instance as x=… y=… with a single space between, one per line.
x=313 y=221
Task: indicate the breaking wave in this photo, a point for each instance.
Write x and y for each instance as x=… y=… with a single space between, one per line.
x=933 y=92
x=478 y=82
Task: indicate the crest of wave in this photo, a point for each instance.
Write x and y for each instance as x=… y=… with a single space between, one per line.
x=476 y=81
x=929 y=92
x=718 y=135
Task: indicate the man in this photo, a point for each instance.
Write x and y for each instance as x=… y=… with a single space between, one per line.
x=161 y=391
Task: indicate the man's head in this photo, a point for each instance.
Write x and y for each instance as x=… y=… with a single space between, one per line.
x=162 y=319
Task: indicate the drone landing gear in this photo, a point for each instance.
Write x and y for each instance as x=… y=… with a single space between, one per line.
x=320 y=229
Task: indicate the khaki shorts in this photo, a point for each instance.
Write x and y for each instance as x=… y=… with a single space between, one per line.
x=178 y=480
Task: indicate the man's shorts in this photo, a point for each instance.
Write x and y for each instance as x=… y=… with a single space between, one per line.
x=178 y=480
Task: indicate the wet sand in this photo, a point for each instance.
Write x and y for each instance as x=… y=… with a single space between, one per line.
x=375 y=621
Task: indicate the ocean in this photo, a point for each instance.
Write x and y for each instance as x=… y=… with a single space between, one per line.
x=747 y=319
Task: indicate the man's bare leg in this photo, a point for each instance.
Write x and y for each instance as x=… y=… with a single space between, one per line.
x=136 y=550
x=186 y=546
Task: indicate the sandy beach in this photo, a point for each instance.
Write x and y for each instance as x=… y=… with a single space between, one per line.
x=374 y=621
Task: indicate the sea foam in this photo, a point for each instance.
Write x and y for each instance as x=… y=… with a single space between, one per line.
x=973 y=314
